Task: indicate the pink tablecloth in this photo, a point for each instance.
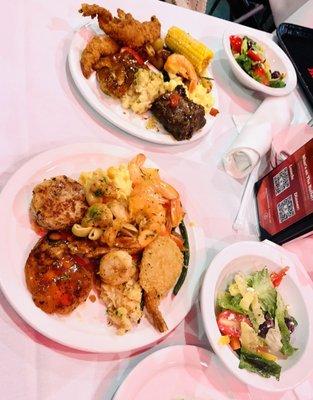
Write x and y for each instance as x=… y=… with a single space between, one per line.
x=41 y=109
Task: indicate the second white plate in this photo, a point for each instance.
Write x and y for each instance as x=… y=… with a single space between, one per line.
x=86 y=327
x=111 y=108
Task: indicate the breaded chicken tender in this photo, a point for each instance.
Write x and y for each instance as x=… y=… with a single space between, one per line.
x=124 y=28
x=99 y=46
x=160 y=268
x=58 y=203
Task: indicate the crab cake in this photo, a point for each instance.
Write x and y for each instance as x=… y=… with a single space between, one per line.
x=58 y=203
x=57 y=280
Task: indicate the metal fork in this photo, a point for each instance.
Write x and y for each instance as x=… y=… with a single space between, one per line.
x=310 y=123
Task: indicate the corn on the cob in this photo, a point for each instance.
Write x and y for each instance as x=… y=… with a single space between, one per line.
x=197 y=53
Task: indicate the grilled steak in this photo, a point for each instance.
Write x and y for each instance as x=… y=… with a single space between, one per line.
x=179 y=115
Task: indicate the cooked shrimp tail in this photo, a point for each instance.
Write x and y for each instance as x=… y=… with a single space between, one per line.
x=179 y=65
x=152 y=305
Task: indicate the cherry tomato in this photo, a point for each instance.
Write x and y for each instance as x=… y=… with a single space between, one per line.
x=253 y=55
x=134 y=53
x=277 y=277
x=260 y=73
x=229 y=323
x=174 y=99
x=235 y=43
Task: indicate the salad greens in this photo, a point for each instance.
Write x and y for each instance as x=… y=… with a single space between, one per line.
x=253 y=362
x=251 y=312
x=251 y=58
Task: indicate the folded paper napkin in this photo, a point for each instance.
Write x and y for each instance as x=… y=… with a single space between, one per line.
x=255 y=138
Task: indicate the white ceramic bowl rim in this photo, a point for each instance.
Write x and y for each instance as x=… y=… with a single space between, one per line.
x=267 y=43
x=302 y=366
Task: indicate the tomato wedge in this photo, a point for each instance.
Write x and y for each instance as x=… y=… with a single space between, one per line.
x=134 y=53
x=277 y=277
x=253 y=55
x=229 y=323
x=235 y=43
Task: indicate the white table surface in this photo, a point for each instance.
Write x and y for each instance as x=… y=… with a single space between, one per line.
x=41 y=109
x=303 y=16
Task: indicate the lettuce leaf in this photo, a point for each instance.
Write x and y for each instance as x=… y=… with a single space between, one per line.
x=255 y=363
x=228 y=302
x=286 y=349
x=262 y=284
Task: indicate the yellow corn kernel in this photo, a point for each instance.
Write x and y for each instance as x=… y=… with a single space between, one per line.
x=223 y=340
x=196 y=52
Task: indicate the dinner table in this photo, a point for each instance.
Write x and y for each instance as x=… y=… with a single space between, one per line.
x=42 y=109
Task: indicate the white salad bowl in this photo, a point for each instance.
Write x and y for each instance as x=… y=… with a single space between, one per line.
x=276 y=57
x=296 y=291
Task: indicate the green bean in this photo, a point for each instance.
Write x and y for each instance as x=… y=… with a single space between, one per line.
x=183 y=274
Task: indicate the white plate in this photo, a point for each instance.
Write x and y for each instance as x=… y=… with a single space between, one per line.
x=277 y=59
x=296 y=290
x=175 y=373
x=86 y=327
x=111 y=108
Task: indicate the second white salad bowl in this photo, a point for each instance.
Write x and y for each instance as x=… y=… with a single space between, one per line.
x=296 y=291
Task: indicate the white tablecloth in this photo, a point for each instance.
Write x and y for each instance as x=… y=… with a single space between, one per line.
x=41 y=109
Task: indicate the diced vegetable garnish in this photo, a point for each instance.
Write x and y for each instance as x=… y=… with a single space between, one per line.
x=267 y=356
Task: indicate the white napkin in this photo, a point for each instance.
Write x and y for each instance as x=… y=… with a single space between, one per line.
x=255 y=138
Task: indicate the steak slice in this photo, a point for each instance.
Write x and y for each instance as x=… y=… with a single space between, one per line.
x=179 y=115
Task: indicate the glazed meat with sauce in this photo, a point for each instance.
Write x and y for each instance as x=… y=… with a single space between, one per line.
x=179 y=115
x=116 y=73
x=58 y=203
x=57 y=280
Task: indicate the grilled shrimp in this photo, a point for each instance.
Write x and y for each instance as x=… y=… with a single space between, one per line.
x=179 y=65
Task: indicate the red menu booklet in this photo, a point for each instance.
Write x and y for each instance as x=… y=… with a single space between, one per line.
x=285 y=198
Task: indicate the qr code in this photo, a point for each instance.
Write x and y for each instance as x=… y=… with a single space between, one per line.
x=281 y=181
x=286 y=209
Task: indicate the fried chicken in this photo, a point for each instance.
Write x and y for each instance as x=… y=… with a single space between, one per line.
x=98 y=47
x=124 y=28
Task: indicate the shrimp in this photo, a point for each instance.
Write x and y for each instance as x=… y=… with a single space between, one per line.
x=135 y=168
x=152 y=302
x=117 y=267
x=179 y=65
x=98 y=47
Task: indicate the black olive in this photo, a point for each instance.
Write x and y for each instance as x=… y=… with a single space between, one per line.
x=275 y=75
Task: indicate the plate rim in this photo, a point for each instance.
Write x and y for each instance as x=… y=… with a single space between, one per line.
x=46 y=157
x=167 y=349
x=117 y=120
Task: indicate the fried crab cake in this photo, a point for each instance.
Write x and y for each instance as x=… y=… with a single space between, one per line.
x=58 y=203
x=57 y=283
